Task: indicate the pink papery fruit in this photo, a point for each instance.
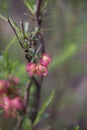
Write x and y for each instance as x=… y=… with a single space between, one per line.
x=45 y=59
x=31 y=68
x=41 y=70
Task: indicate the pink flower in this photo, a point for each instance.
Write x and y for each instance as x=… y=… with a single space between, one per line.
x=16 y=80
x=45 y=59
x=11 y=106
x=12 y=79
x=41 y=70
x=6 y=83
x=6 y=105
x=4 y=86
x=31 y=68
x=17 y=103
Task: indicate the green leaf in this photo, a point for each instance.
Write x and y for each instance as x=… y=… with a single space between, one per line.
x=43 y=107
x=61 y=58
x=21 y=70
x=4 y=18
x=76 y=128
x=10 y=44
x=30 y=5
x=27 y=124
x=1 y=60
x=45 y=4
x=14 y=24
x=3 y=6
x=13 y=40
x=1 y=111
x=8 y=64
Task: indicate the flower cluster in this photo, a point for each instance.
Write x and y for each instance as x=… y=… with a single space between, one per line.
x=40 y=68
x=10 y=100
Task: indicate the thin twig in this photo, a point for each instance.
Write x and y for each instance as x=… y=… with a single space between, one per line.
x=26 y=96
x=37 y=100
x=36 y=82
x=19 y=123
x=26 y=102
x=15 y=32
x=37 y=13
x=23 y=31
x=39 y=49
x=42 y=41
x=38 y=22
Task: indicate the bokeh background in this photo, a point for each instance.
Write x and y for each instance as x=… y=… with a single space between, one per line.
x=66 y=41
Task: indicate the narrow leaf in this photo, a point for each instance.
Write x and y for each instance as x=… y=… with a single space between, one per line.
x=3 y=6
x=14 y=24
x=4 y=18
x=76 y=128
x=61 y=58
x=64 y=129
x=12 y=42
x=27 y=124
x=43 y=107
x=30 y=5
x=45 y=4
x=21 y=70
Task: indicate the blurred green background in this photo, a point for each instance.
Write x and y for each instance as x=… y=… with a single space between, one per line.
x=66 y=42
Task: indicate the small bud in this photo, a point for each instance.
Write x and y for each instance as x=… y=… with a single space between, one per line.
x=26 y=45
